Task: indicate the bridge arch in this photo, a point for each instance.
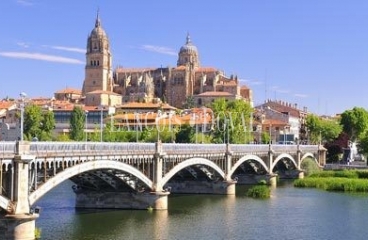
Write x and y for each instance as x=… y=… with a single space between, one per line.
x=190 y=162
x=247 y=158
x=85 y=167
x=281 y=156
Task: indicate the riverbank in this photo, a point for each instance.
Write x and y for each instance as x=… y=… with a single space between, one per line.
x=341 y=180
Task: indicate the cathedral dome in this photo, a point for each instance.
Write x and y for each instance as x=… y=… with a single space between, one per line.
x=188 y=47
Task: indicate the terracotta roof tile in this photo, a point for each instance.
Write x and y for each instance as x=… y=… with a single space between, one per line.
x=7 y=104
x=70 y=90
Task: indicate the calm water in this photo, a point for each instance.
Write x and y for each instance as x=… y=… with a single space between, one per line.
x=291 y=213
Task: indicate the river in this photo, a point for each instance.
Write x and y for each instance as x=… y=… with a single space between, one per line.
x=290 y=213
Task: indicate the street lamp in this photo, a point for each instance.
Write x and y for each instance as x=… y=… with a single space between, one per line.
x=22 y=96
x=101 y=121
x=270 y=134
x=136 y=126
x=226 y=129
x=86 y=125
x=285 y=127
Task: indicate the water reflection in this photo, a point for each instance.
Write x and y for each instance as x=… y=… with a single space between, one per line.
x=160 y=224
x=290 y=213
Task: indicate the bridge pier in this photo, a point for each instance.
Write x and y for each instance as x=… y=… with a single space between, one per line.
x=19 y=223
x=18 y=226
x=301 y=175
x=159 y=200
x=122 y=200
x=226 y=187
x=230 y=187
x=272 y=180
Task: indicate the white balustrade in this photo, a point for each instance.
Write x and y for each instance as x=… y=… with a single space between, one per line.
x=100 y=148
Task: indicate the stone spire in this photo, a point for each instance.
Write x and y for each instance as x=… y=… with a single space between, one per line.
x=98 y=21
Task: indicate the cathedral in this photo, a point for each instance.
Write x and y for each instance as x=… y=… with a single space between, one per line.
x=173 y=85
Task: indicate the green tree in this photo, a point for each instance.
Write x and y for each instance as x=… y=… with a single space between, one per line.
x=354 y=122
x=363 y=144
x=164 y=133
x=32 y=121
x=109 y=132
x=77 y=121
x=185 y=134
x=322 y=129
x=313 y=123
x=189 y=102
x=62 y=138
x=231 y=119
x=330 y=130
x=47 y=125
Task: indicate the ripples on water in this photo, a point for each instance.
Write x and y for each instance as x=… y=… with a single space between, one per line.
x=291 y=213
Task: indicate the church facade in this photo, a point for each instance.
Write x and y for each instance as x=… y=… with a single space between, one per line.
x=174 y=85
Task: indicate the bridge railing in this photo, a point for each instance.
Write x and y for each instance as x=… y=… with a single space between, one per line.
x=309 y=148
x=7 y=147
x=92 y=147
x=278 y=148
x=185 y=148
x=249 y=148
x=65 y=148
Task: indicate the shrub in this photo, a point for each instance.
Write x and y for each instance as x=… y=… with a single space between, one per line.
x=362 y=174
x=310 y=166
x=259 y=191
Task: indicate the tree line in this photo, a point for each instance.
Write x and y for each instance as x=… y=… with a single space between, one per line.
x=232 y=125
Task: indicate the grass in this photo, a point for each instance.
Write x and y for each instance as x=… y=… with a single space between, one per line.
x=344 y=181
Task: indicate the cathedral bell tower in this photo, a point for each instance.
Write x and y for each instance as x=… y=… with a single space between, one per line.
x=98 y=70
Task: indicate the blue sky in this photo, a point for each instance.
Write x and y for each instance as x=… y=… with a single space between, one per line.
x=310 y=52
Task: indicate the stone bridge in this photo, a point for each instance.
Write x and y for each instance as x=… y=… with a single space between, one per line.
x=134 y=175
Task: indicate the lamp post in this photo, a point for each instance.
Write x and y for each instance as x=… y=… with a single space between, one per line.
x=86 y=125
x=270 y=134
x=136 y=126
x=226 y=130
x=22 y=96
x=101 y=121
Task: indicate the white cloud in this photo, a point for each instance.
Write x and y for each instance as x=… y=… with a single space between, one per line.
x=159 y=49
x=68 y=49
x=251 y=82
x=25 y=3
x=23 y=44
x=41 y=57
x=300 y=95
x=279 y=90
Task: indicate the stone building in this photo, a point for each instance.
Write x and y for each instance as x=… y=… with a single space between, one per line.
x=98 y=82
x=293 y=118
x=172 y=85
